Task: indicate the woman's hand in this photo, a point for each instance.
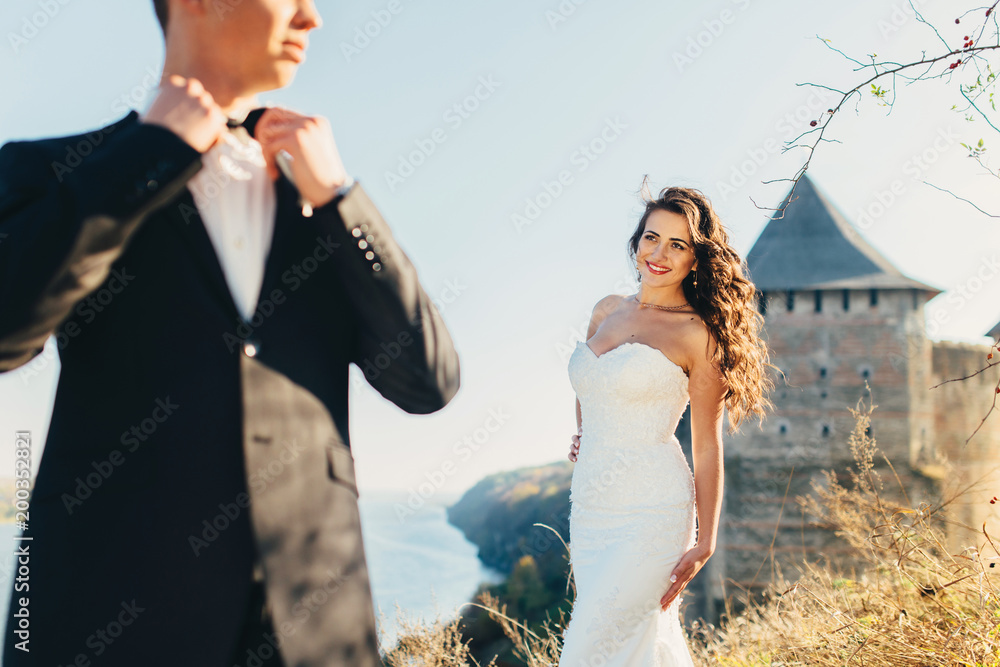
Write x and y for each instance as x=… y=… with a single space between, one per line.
x=689 y=564
x=574 y=448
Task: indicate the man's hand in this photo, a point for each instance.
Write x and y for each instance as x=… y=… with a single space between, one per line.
x=186 y=108
x=689 y=564
x=316 y=165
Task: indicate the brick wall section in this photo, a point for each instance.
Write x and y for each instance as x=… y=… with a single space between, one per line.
x=827 y=358
x=959 y=409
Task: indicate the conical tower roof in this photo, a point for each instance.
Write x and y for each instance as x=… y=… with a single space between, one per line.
x=813 y=246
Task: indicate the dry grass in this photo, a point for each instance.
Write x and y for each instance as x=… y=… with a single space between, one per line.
x=908 y=602
x=912 y=602
x=421 y=644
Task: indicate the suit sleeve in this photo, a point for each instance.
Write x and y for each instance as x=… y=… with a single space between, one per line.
x=66 y=214
x=403 y=346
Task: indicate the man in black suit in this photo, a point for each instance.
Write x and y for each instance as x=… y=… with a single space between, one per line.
x=195 y=502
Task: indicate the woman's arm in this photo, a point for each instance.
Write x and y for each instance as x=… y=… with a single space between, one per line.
x=706 y=390
x=601 y=310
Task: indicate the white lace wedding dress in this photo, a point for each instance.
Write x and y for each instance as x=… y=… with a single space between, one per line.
x=632 y=509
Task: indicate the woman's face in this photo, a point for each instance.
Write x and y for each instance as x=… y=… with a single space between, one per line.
x=665 y=254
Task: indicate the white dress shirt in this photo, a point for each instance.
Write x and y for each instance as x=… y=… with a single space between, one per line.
x=236 y=200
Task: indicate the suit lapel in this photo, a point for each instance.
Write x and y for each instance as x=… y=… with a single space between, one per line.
x=286 y=214
x=187 y=221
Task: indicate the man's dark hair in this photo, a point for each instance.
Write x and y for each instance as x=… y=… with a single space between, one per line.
x=161 y=13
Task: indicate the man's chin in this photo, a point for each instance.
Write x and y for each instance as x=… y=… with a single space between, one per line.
x=280 y=76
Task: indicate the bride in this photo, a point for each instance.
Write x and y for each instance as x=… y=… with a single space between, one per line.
x=691 y=333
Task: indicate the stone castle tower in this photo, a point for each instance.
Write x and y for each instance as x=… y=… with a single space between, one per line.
x=838 y=315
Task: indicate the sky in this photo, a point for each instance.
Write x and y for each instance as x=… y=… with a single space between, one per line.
x=505 y=144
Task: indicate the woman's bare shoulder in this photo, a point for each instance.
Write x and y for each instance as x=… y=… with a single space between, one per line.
x=604 y=307
x=698 y=338
x=611 y=301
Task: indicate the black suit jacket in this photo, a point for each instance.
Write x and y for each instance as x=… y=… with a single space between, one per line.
x=184 y=440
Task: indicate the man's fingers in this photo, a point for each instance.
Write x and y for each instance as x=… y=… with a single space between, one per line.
x=277 y=121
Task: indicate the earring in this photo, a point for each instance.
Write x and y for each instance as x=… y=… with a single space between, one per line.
x=695 y=281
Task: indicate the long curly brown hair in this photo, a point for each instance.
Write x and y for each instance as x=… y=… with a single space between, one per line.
x=725 y=299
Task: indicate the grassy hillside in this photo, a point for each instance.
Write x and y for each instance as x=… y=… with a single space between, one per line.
x=498 y=514
x=911 y=602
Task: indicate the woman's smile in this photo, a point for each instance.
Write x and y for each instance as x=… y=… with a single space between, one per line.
x=656 y=269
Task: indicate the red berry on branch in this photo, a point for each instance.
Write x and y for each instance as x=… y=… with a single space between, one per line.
x=813 y=123
x=989 y=356
x=966 y=38
x=988 y=11
x=957 y=21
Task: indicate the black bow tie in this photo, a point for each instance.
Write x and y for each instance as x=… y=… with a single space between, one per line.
x=249 y=123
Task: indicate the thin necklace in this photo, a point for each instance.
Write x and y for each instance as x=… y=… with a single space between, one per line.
x=683 y=305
